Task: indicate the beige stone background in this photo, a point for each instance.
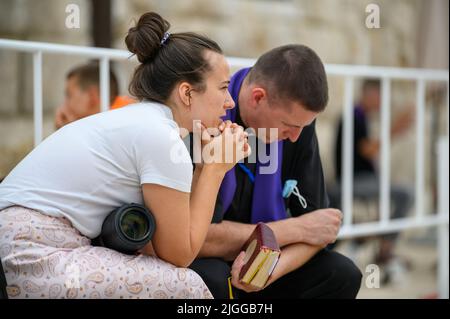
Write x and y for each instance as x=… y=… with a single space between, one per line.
x=413 y=34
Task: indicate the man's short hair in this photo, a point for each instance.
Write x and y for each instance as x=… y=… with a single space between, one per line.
x=89 y=74
x=293 y=72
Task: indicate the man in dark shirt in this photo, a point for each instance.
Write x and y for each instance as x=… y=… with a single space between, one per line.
x=365 y=151
x=285 y=90
x=363 y=165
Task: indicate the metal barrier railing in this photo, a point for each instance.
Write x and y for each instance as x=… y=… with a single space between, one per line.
x=350 y=73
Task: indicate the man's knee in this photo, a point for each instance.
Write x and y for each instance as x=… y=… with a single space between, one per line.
x=346 y=275
x=215 y=273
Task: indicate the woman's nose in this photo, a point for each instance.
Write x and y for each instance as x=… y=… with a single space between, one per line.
x=229 y=103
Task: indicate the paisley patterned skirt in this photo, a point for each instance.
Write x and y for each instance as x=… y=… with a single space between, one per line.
x=46 y=257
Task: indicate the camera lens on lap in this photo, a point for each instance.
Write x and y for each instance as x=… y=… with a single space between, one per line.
x=134 y=225
x=127 y=229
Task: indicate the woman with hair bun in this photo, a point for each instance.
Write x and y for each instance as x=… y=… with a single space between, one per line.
x=55 y=200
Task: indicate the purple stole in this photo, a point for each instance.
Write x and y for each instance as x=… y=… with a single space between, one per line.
x=267 y=202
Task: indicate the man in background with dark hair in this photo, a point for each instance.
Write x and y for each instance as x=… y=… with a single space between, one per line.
x=82 y=94
x=366 y=182
x=286 y=90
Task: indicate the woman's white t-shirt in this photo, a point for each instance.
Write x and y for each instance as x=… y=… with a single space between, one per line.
x=92 y=166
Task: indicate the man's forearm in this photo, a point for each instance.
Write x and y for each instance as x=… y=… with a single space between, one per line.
x=293 y=257
x=287 y=231
x=225 y=239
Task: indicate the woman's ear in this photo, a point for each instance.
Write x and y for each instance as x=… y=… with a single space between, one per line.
x=184 y=93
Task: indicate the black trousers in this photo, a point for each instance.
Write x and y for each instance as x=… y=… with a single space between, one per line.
x=3 y=294
x=327 y=275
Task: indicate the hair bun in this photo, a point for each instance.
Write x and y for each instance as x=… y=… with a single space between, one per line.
x=144 y=39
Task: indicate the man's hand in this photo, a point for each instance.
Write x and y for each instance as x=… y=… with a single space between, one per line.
x=63 y=116
x=292 y=257
x=320 y=227
x=235 y=271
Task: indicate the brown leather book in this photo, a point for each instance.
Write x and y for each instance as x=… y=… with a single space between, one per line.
x=261 y=256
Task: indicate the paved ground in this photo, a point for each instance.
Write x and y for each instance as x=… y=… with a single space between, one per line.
x=420 y=281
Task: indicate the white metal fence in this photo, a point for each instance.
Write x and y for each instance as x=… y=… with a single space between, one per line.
x=421 y=219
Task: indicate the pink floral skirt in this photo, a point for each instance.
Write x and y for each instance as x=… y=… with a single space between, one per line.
x=46 y=257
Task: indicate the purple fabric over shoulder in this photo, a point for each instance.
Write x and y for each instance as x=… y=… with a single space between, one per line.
x=267 y=202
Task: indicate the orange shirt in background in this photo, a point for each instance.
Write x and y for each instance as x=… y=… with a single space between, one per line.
x=121 y=101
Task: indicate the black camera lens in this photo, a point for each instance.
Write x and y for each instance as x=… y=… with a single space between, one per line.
x=134 y=225
x=127 y=229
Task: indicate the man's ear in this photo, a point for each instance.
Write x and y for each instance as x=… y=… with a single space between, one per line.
x=184 y=93
x=258 y=94
x=94 y=98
